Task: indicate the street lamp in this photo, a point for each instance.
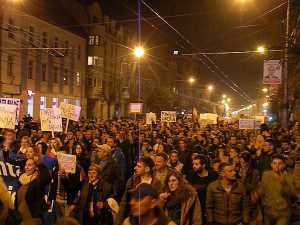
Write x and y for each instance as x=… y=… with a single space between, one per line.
x=192 y=80
x=139 y=52
x=224 y=96
x=265 y=104
x=228 y=99
x=261 y=49
x=265 y=90
x=210 y=88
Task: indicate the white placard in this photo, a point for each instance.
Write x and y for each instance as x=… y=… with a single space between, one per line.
x=246 y=124
x=136 y=108
x=272 y=72
x=67 y=162
x=69 y=111
x=51 y=120
x=8 y=116
x=208 y=118
x=150 y=117
x=12 y=101
x=168 y=116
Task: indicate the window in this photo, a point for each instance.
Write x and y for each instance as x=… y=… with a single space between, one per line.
x=67 y=47
x=45 y=40
x=54 y=103
x=10 y=63
x=43 y=103
x=92 y=40
x=66 y=77
x=91 y=82
x=30 y=69
x=11 y=29
x=96 y=40
x=31 y=35
x=56 y=42
x=79 y=52
x=77 y=102
x=55 y=74
x=77 y=78
x=44 y=72
x=65 y=100
x=95 y=61
x=30 y=105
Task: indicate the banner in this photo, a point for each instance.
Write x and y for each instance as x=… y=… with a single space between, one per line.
x=69 y=111
x=150 y=117
x=9 y=173
x=168 y=116
x=272 y=72
x=13 y=101
x=67 y=162
x=208 y=118
x=125 y=92
x=8 y=116
x=51 y=120
x=250 y=123
x=136 y=108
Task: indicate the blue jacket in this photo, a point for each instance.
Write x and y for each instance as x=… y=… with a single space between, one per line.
x=118 y=155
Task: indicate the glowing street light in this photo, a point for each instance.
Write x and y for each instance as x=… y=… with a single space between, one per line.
x=210 y=88
x=261 y=49
x=228 y=99
x=224 y=96
x=139 y=52
x=265 y=90
x=192 y=80
x=265 y=104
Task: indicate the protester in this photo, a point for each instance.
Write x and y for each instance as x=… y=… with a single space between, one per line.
x=174 y=162
x=227 y=201
x=30 y=192
x=180 y=200
x=161 y=167
x=144 y=207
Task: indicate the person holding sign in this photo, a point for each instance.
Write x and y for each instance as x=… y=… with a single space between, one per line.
x=30 y=192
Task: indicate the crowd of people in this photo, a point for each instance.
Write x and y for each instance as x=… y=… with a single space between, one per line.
x=128 y=172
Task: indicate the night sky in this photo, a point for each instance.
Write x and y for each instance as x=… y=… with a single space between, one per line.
x=212 y=26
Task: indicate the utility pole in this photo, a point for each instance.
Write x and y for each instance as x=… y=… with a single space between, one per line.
x=285 y=106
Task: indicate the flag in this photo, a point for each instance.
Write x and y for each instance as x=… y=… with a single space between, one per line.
x=195 y=114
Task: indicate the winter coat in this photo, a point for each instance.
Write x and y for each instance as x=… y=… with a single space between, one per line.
x=124 y=205
x=190 y=213
x=35 y=194
x=224 y=208
x=100 y=193
x=118 y=155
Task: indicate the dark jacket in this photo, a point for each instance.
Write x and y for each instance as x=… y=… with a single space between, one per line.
x=126 y=148
x=16 y=162
x=112 y=175
x=100 y=192
x=264 y=163
x=35 y=194
x=14 y=217
x=118 y=155
x=71 y=185
x=124 y=205
x=224 y=208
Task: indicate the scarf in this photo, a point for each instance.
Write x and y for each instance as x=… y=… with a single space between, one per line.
x=26 y=179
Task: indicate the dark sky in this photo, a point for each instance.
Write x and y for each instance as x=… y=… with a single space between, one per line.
x=212 y=25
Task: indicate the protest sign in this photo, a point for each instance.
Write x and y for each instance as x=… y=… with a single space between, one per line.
x=246 y=124
x=208 y=118
x=51 y=120
x=272 y=72
x=69 y=111
x=67 y=162
x=168 y=116
x=150 y=117
x=12 y=101
x=136 y=108
x=258 y=121
x=8 y=116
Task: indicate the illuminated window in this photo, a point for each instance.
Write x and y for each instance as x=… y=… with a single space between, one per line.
x=54 y=103
x=43 y=103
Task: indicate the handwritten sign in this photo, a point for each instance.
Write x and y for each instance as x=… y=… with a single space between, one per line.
x=246 y=123
x=69 y=111
x=168 y=116
x=150 y=117
x=136 y=108
x=12 y=101
x=208 y=118
x=8 y=116
x=51 y=120
x=67 y=162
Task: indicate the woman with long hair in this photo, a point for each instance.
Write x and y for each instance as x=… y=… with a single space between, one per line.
x=25 y=143
x=83 y=162
x=30 y=192
x=180 y=200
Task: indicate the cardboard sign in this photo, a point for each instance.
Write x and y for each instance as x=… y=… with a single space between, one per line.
x=150 y=117
x=208 y=118
x=136 y=108
x=168 y=116
x=67 y=162
x=246 y=124
x=8 y=116
x=69 y=111
x=12 y=101
x=51 y=120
